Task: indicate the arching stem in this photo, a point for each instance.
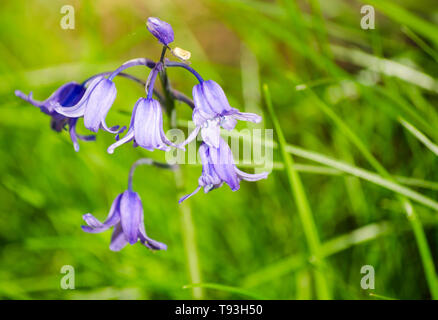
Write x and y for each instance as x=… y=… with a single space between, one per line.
x=171 y=64
x=146 y=161
x=132 y=63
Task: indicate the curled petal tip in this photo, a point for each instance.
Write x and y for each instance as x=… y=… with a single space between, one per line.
x=114 y=130
x=154 y=245
x=22 y=95
x=87 y=229
x=189 y=195
x=251 y=117
x=181 y=147
x=159 y=246
x=85 y=216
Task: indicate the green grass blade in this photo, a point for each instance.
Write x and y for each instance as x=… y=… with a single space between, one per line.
x=386 y=67
x=225 y=288
x=320 y=28
x=189 y=239
x=420 y=183
x=363 y=174
x=420 y=42
x=420 y=136
x=299 y=195
x=380 y=297
x=355 y=237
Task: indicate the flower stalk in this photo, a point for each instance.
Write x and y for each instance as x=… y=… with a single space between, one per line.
x=185 y=211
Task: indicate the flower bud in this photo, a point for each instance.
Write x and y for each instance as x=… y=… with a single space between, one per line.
x=160 y=30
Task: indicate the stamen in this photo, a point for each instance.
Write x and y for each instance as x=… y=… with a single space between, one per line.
x=181 y=54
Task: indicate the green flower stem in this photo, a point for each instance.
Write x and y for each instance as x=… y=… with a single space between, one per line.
x=187 y=225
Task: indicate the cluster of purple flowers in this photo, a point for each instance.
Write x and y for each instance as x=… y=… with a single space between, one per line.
x=92 y=100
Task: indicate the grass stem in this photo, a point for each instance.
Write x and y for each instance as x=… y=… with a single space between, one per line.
x=304 y=210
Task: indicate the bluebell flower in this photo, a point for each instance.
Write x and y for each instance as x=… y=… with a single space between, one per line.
x=66 y=96
x=146 y=127
x=218 y=167
x=93 y=105
x=126 y=216
x=160 y=30
x=212 y=111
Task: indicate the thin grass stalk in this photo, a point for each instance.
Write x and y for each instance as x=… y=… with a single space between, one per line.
x=304 y=211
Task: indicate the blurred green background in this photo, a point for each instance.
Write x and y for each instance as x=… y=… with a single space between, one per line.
x=363 y=101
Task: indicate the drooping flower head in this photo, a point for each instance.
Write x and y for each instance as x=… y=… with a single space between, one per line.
x=66 y=96
x=93 y=105
x=218 y=167
x=212 y=111
x=146 y=127
x=126 y=216
x=160 y=30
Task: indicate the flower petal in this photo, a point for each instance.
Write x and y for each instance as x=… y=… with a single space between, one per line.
x=228 y=122
x=208 y=179
x=192 y=136
x=98 y=105
x=198 y=119
x=128 y=137
x=211 y=133
x=113 y=129
x=244 y=116
x=29 y=98
x=203 y=110
x=95 y=226
x=131 y=211
x=72 y=131
x=189 y=195
x=160 y=138
x=148 y=126
x=216 y=97
x=69 y=94
x=144 y=124
x=90 y=137
x=223 y=163
x=118 y=239
x=251 y=176
x=66 y=96
x=148 y=242
x=134 y=110
x=78 y=109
